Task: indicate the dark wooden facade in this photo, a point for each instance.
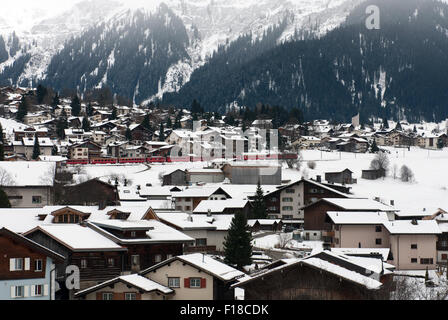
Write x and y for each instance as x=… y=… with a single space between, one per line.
x=302 y=282
x=13 y=246
x=100 y=265
x=93 y=192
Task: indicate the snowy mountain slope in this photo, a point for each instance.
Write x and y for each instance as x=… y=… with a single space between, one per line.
x=210 y=23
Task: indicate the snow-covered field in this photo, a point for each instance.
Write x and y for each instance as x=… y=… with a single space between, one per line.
x=430 y=189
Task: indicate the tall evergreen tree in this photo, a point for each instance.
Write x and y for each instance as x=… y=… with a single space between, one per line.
x=161 y=133
x=56 y=101
x=23 y=109
x=76 y=106
x=89 y=110
x=2 y=152
x=41 y=93
x=374 y=147
x=237 y=244
x=4 y=201
x=61 y=125
x=146 y=123
x=258 y=205
x=128 y=134
x=86 y=124
x=36 y=148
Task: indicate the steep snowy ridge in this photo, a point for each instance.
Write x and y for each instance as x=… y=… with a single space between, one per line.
x=209 y=23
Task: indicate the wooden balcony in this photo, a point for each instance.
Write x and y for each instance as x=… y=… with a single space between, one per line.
x=200 y=249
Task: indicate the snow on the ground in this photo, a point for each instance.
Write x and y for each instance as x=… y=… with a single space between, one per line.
x=273 y=241
x=430 y=189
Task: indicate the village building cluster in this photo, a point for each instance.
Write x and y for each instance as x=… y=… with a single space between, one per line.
x=165 y=239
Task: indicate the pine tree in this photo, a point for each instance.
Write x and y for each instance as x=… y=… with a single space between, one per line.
x=374 y=148
x=169 y=123
x=54 y=151
x=128 y=134
x=61 y=125
x=76 y=106
x=146 y=123
x=259 y=206
x=2 y=152
x=161 y=133
x=56 y=101
x=23 y=109
x=36 y=148
x=41 y=93
x=89 y=110
x=86 y=124
x=114 y=114
x=4 y=201
x=237 y=244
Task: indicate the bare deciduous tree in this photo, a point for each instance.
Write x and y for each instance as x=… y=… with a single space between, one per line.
x=406 y=174
x=312 y=165
x=380 y=162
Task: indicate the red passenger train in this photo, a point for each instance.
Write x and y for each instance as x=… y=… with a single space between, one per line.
x=155 y=160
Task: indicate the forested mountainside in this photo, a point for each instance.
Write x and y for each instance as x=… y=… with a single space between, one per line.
x=398 y=71
x=131 y=55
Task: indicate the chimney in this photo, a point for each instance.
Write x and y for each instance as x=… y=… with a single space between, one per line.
x=209 y=213
x=190 y=217
x=319 y=179
x=392 y=203
x=414 y=222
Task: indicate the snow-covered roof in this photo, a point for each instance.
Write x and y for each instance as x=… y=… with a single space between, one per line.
x=359 y=204
x=78 y=238
x=349 y=275
x=384 y=252
x=135 y=280
x=263 y=222
x=408 y=227
x=218 y=206
x=19 y=220
x=187 y=221
x=358 y=217
x=27 y=173
x=207 y=264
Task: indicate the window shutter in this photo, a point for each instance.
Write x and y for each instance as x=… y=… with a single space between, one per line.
x=13 y=291
x=12 y=265
x=27 y=264
x=203 y=283
x=33 y=290
x=99 y=296
x=187 y=282
x=26 y=291
x=45 y=290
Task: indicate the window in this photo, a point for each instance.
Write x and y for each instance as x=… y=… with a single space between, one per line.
x=18 y=264
x=426 y=261
x=290 y=191
x=83 y=263
x=38 y=290
x=201 y=242
x=444 y=256
x=174 y=282
x=133 y=234
x=111 y=262
x=413 y=246
x=378 y=241
x=37 y=199
x=108 y=296
x=18 y=292
x=288 y=199
x=157 y=258
x=287 y=208
x=187 y=208
x=414 y=260
x=378 y=229
x=38 y=265
x=287 y=217
x=130 y=296
x=195 y=282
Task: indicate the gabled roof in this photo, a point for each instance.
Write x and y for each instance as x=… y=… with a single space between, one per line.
x=31 y=244
x=77 y=238
x=134 y=280
x=352 y=204
x=205 y=263
x=358 y=218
